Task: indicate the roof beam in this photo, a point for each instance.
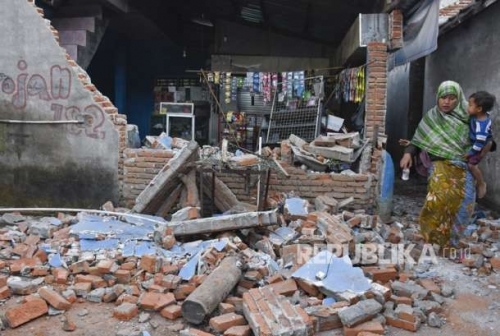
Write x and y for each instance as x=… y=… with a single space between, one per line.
x=117 y=5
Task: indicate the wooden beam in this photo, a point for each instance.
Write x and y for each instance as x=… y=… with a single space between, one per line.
x=169 y=202
x=161 y=187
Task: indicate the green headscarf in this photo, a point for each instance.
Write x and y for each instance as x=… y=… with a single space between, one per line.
x=445 y=135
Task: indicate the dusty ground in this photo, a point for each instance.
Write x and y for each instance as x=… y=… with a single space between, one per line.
x=474 y=311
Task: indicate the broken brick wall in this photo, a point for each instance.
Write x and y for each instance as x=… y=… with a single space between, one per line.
x=309 y=186
x=140 y=168
x=58 y=162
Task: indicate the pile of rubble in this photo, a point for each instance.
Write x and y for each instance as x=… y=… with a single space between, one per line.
x=270 y=273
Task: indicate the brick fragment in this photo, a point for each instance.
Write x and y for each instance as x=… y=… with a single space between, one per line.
x=155 y=301
x=223 y=322
x=82 y=288
x=104 y=266
x=149 y=264
x=126 y=311
x=373 y=327
x=3 y=280
x=238 y=331
x=286 y=288
x=122 y=276
x=4 y=292
x=430 y=285
x=225 y=308
x=171 y=312
x=54 y=298
x=26 y=312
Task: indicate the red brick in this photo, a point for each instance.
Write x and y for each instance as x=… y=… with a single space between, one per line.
x=61 y=276
x=430 y=286
x=26 y=312
x=122 y=276
x=183 y=291
x=406 y=325
x=238 y=331
x=4 y=293
x=49 y=279
x=382 y=275
x=286 y=288
x=17 y=265
x=401 y=300
x=54 y=299
x=3 y=280
x=372 y=326
x=127 y=298
x=274 y=279
x=197 y=332
x=3 y=264
x=79 y=267
x=148 y=263
x=40 y=271
x=104 y=266
x=495 y=263
x=308 y=288
x=126 y=311
x=96 y=281
x=223 y=322
x=128 y=266
x=171 y=312
x=225 y=308
x=155 y=301
x=170 y=269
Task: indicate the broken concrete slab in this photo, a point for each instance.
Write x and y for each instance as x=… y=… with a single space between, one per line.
x=153 y=196
x=360 y=312
x=224 y=223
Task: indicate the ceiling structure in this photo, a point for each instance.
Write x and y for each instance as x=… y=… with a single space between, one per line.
x=193 y=23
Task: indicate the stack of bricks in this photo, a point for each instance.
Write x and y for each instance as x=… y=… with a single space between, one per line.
x=140 y=168
x=376 y=92
x=119 y=120
x=396 y=29
x=270 y=314
x=309 y=186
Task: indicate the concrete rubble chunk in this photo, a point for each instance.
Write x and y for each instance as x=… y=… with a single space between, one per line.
x=212 y=291
x=409 y=289
x=360 y=312
x=96 y=295
x=21 y=287
x=224 y=223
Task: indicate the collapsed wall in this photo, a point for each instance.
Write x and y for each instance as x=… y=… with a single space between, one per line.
x=60 y=139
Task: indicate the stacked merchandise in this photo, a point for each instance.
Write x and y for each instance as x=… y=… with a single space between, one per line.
x=350 y=85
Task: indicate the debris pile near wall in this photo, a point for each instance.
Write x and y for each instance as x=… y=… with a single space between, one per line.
x=299 y=270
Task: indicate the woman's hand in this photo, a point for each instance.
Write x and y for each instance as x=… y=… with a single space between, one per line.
x=404 y=142
x=406 y=161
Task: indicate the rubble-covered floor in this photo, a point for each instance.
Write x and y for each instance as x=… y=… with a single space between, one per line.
x=472 y=309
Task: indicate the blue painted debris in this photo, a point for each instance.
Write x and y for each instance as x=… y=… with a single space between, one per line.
x=91 y=227
x=340 y=275
x=328 y=301
x=95 y=245
x=55 y=260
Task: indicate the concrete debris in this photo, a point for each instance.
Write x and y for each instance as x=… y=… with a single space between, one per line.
x=298 y=269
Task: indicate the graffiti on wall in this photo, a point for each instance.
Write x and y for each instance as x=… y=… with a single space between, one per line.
x=56 y=88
